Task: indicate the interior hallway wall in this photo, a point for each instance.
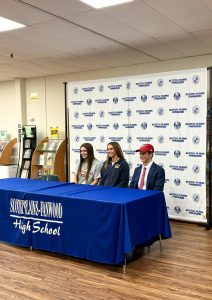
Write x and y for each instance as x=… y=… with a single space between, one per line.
x=8 y=108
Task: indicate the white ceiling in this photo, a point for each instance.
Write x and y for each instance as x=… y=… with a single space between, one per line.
x=67 y=36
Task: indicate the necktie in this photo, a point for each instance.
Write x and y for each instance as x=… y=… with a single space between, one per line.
x=142 y=178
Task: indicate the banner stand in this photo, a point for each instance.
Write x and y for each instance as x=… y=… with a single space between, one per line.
x=209 y=143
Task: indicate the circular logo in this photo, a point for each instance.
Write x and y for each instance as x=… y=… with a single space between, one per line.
x=102 y=139
x=177 y=209
x=115 y=100
x=195 y=79
x=128 y=85
x=101 y=114
x=89 y=101
x=160 y=111
x=161 y=139
x=177 y=181
x=160 y=82
x=196 y=169
x=76 y=114
x=195 y=110
x=143 y=98
x=177 y=125
x=115 y=126
x=195 y=139
x=75 y=90
x=101 y=87
x=144 y=125
x=89 y=126
x=177 y=153
x=77 y=139
x=196 y=198
x=129 y=112
x=129 y=139
x=130 y=164
x=177 y=96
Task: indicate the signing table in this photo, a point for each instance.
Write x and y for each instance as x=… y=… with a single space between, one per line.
x=96 y=223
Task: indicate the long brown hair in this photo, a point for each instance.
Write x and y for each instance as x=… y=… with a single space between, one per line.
x=118 y=151
x=90 y=159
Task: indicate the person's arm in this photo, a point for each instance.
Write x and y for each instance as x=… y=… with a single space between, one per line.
x=101 y=180
x=132 y=182
x=124 y=176
x=95 y=181
x=75 y=179
x=159 y=180
x=97 y=174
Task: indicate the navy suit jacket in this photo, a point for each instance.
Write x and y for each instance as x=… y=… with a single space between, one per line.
x=155 y=178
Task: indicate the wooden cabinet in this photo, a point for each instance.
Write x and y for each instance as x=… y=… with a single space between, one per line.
x=49 y=159
x=6 y=148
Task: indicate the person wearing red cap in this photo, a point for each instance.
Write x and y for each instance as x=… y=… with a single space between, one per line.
x=148 y=176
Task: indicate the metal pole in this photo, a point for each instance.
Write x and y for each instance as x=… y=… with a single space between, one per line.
x=66 y=132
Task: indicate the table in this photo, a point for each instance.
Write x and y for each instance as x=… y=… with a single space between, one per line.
x=101 y=224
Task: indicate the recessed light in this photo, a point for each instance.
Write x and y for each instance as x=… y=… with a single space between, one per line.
x=104 y=3
x=6 y=24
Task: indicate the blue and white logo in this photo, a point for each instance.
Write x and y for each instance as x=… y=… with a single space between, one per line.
x=75 y=90
x=129 y=112
x=144 y=125
x=177 y=209
x=128 y=85
x=101 y=87
x=196 y=198
x=89 y=101
x=102 y=139
x=196 y=169
x=77 y=138
x=177 y=125
x=195 y=79
x=177 y=96
x=196 y=110
x=177 y=181
x=116 y=126
x=101 y=114
x=177 y=153
x=161 y=139
x=129 y=139
x=195 y=139
x=160 y=82
x=76 y=114
x=89 y=126
x=115 y=100
x=143 y=98
x=160 y=111
x=130 y=164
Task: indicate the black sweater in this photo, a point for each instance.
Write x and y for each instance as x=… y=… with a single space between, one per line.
x=116 y=175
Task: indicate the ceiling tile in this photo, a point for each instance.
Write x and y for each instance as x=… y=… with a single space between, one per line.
x=145 y=19
x=192 y=15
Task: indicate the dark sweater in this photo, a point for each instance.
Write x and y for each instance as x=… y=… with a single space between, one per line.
x=116 y=175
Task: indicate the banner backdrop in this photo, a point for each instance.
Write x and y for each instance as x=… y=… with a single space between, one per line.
x=167 y=110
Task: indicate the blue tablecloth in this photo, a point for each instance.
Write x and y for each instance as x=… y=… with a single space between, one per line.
x=96 y=223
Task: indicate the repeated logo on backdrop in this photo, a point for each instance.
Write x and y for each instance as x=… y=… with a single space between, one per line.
x=168 y=110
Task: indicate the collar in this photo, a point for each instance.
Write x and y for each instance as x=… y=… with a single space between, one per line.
x=149 y=165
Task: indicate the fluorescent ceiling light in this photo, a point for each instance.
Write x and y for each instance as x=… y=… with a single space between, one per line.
x=104 y=3
x=6 y=24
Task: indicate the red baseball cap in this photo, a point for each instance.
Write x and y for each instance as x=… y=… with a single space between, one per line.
x=145 y=148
